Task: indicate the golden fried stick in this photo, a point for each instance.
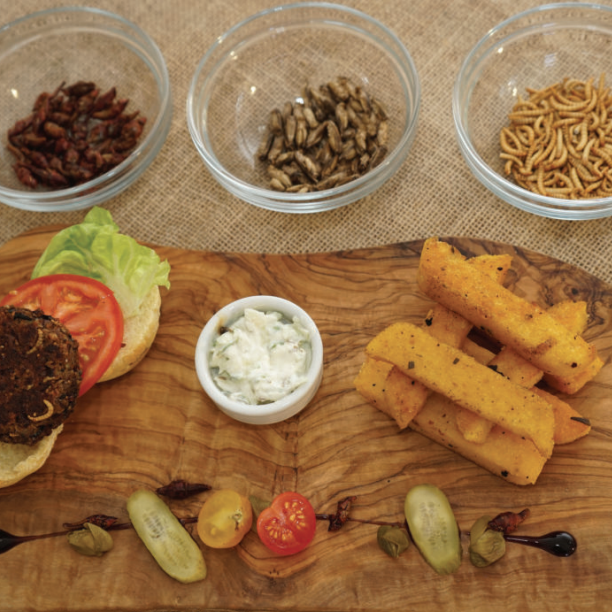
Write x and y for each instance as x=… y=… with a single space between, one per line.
x=446 y=277
x=461 y=378
x=572 y=384
x=383 y=386
x=569 y=424
x=503 y=453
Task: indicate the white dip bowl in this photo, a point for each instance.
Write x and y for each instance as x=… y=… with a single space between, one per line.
x=272 y=412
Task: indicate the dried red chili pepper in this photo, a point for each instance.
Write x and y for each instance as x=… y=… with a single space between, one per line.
x=507 y=522
x=181 y=489
x=101 y=520
x=336 y=521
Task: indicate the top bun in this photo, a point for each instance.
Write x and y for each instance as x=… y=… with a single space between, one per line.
x=139 y=331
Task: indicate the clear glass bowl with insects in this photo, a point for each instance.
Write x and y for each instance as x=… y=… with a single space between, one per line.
x=533 y=112
x=84 y=124
x=305 y=107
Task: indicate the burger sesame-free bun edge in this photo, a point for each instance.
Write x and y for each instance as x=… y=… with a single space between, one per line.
x=20 y=460
x=139 y=332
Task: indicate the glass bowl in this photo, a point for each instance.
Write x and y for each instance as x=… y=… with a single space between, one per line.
x=66 y=45
x=267 y=60
x=533 y=49
x=272 y=412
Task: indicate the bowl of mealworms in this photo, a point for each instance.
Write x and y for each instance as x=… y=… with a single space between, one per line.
x=305 y=107
x=533 y=111
x=85 y=105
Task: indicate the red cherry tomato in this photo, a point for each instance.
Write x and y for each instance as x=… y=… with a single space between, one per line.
x=288 y=525
x=89 y=311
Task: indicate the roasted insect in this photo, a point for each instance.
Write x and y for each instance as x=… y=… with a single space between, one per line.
x=558 y=140
x=73 y=135
x=334 y=134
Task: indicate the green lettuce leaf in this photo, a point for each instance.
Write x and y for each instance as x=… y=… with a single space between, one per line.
x=96 y=249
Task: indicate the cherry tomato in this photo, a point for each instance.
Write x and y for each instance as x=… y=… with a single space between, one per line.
x=288 y=525
x=89 y=311
x=224 y=519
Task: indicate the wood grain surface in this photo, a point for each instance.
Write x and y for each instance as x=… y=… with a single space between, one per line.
x=156 y=424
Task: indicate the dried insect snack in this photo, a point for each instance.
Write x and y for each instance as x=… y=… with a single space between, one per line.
x=334 y=134
x=73 y=135
x=559 y=140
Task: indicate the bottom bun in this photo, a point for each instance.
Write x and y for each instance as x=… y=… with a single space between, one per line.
x=139 y=331
x=20 y=460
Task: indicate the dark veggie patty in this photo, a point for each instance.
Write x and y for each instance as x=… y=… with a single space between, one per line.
x=40 y=374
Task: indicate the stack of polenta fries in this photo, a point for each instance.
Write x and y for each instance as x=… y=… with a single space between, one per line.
x=483 y=405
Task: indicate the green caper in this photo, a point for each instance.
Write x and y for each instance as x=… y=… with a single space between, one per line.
x=486 y=546
x=91 y=541
x=433 y=527
x=392 y=540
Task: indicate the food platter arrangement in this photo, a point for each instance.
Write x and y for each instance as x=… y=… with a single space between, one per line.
x=365 y=429
x=155 y=428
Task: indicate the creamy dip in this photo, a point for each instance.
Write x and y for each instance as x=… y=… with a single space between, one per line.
x=261 y=357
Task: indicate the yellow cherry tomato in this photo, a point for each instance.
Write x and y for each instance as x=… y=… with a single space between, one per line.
x=224 y=519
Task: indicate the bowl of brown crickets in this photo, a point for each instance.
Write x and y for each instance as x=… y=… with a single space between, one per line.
x=85 y=104
x=305 y=107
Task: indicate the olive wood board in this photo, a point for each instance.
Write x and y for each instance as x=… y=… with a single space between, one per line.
x=156 y=424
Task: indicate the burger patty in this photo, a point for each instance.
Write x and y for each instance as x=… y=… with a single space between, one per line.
x=40 y=374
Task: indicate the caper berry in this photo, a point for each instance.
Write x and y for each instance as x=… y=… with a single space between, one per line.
x=486 y=546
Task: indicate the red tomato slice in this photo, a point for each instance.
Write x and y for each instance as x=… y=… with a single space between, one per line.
x=89 y=311
x=288 y=525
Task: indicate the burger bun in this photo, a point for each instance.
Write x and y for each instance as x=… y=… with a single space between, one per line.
x=20 y=460
x=139 y=332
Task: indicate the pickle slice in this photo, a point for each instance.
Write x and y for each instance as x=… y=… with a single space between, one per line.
x=433 y=527
x=166 y=539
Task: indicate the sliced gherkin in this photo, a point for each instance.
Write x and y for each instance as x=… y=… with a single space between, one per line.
x=167 y=540
x=433 y=527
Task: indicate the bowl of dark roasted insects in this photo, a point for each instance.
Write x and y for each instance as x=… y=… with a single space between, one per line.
x=533 y=110
x=304 y=107
x=85 y=108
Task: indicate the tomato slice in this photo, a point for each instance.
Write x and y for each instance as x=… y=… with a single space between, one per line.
x=288 y=525
x=89 y=311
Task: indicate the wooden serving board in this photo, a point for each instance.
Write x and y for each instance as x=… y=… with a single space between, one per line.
x=156 y=424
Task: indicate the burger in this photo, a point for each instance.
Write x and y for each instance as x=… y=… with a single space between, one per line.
x=89 y=314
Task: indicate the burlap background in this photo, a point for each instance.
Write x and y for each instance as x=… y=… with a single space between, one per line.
x=177 y=202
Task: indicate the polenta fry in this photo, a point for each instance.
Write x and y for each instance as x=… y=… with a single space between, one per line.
x=503 y=453
x=405 y=397
x=445 y=277
x=474 y=427
x=569 y=424
x=467 y=382
x=370 y=383
x=383 y=387
x=573 y=384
